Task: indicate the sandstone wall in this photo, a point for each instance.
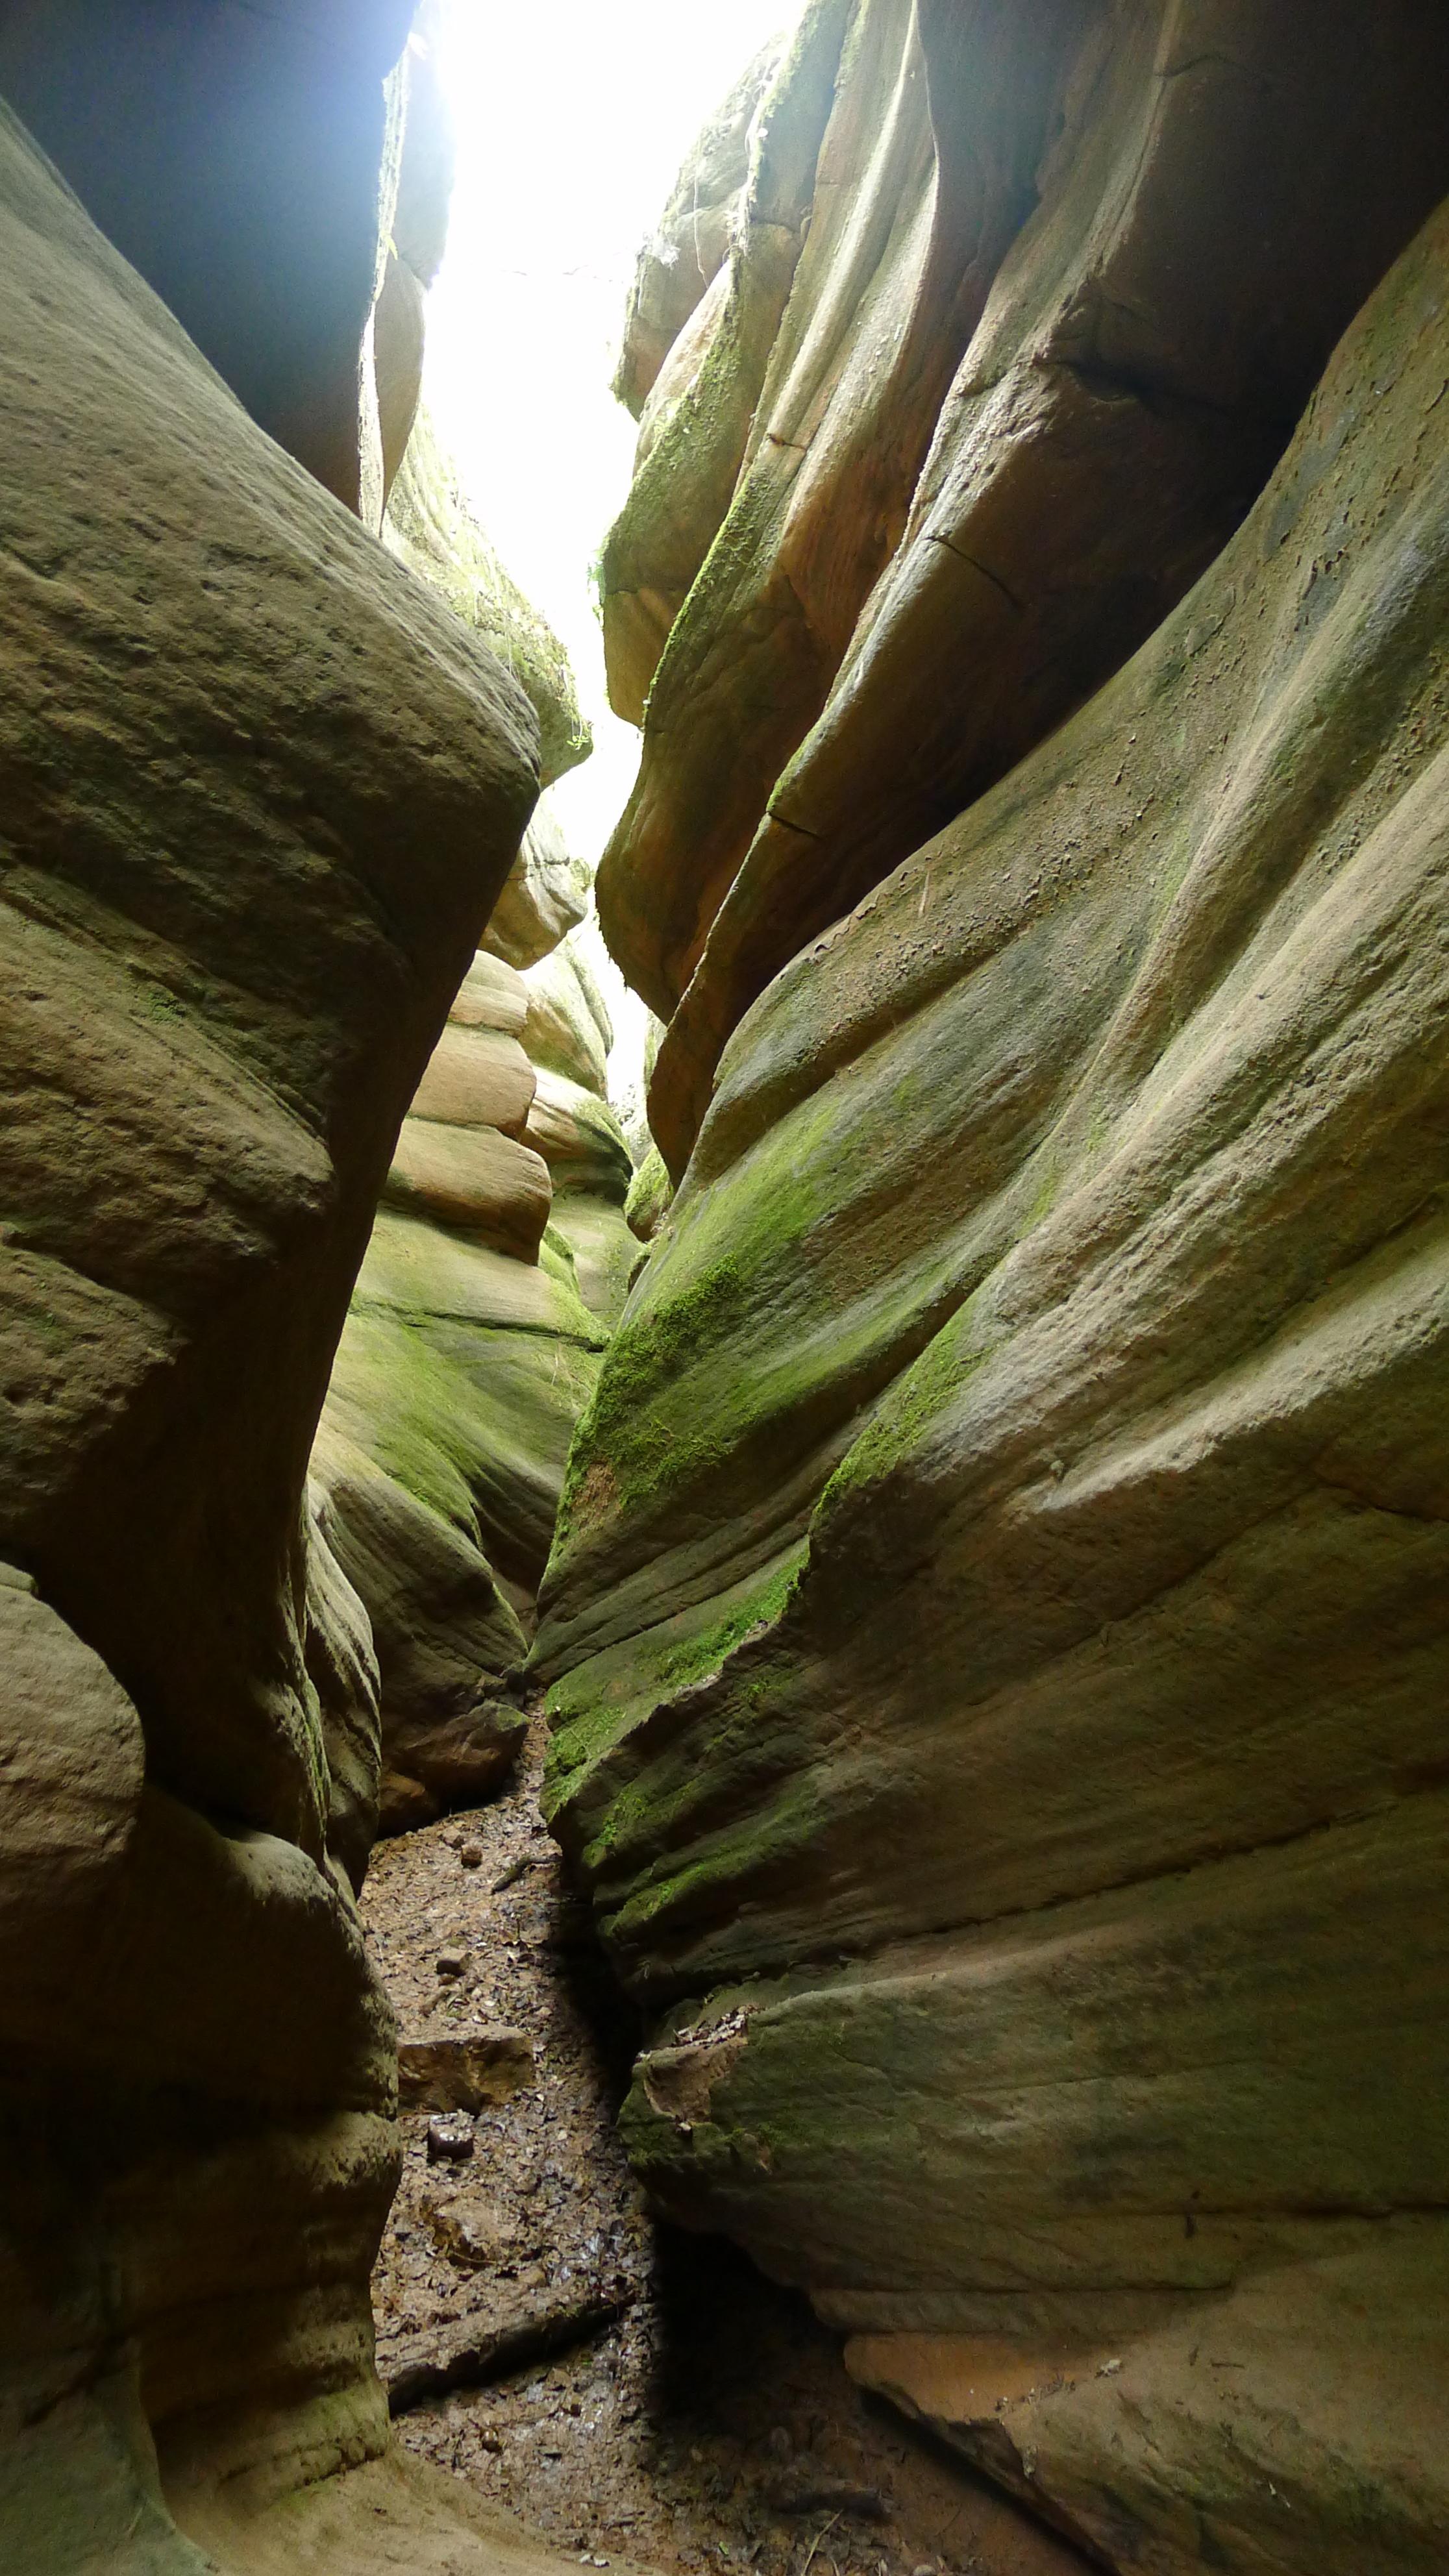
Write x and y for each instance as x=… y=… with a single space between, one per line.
x=498 y=1259
x=497 y=1268
x=415 y=198
x=997 y=1627
x=261 y=792
x=430 y=526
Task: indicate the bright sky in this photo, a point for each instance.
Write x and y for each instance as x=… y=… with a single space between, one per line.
x=573 y=117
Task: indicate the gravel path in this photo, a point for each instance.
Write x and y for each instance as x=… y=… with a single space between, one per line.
x=659 y=2399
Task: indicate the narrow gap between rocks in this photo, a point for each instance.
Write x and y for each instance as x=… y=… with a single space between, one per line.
x=630 y=2392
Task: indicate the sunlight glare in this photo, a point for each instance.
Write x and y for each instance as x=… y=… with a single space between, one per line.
x=573 y=117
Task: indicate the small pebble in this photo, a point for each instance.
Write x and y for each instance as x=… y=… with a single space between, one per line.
x=451 y=1962
x=450 y=2138
x=471 y=1855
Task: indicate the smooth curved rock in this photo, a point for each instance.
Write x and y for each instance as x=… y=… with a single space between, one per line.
x=72 y=1763
x=568 y=1030
x=476 y=1178
x=546 y=895
x=1069 y=283
x=999 y=1618
x=650 y=1193
x=694 y=437
x=261 y=791
x=477 y=1077
x=691 y=242
x=578 y=1136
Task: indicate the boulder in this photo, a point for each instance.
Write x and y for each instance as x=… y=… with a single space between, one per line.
x=545 y=896
x=475 y=2231
x=650 y=1193
x=568 y=1029
x=579 y=1138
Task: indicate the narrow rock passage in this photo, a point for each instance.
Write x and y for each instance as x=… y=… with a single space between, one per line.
x=643 y=2394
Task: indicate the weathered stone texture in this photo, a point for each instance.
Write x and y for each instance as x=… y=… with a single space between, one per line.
x=691 y=242
x=261 y=790
x=998 y=1624
x=499 y=1261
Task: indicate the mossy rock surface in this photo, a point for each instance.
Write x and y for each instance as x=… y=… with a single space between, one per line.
x=997 y=1623
x=602 y=1249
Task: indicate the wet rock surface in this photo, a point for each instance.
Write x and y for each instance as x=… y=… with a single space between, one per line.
x=624 y=2389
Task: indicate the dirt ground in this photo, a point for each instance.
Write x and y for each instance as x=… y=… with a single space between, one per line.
x=712 y=2422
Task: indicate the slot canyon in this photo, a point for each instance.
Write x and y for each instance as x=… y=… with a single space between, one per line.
x=724 y=1331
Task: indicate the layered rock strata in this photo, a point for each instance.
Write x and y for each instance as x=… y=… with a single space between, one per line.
x=262 y=790
x=498 y=1264
x=998 y=1622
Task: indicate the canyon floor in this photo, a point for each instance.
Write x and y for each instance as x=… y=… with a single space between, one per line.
x=626 y=2391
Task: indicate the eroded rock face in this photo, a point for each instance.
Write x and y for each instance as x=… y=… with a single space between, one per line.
x=412 y=237
x=998 y=1625
x=261 y=792
x=498 y=1265
x=703 y=392
x=691 y=242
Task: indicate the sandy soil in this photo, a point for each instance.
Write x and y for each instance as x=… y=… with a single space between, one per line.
x=713 y=2423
